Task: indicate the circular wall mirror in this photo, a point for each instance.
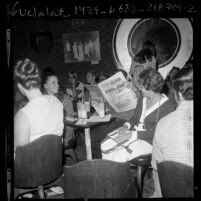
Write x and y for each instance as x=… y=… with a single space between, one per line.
x=173 y=39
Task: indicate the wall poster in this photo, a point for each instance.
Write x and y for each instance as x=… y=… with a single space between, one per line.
x=81 y=47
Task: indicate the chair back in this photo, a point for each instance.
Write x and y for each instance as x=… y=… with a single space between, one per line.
x=39 y=162
x=142 y=160
x=98 y=178
x=176 y=179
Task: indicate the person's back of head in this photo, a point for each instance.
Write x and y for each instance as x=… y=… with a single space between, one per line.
x=151 y=79
x=183 y=83
x=148 y=54
x=173 y=72
x=26 y=73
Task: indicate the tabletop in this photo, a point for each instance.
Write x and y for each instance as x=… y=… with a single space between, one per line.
x=87 y=125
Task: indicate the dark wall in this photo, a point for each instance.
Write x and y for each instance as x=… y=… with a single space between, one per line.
x=22 y=47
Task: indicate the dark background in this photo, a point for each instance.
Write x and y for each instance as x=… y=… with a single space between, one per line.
x=22 y=45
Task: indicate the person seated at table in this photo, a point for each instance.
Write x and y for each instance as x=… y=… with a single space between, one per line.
x=103 y=76
x=74 y=88
x=50 y=85
x=173 y=140
x=167 y=88
x=149 y=45
x=151 y=107
x=143 y=59
x=43 y=114
x=146 y=58
x=92 y=78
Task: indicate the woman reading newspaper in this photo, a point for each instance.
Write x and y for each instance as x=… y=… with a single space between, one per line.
x=137 y=134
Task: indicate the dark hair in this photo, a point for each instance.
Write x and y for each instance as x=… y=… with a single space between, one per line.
x=173 y=72
x=143 y=55
x=27 y=74
x=183 y=82
x=139 y=57
x=124 y=72
x=46 y=73
x=188 y=64
x=48 y=70
x=97 y=79
x=72 y=74
x=151 y=79
x=149 y=45
x=168 y=80
x=95 y=74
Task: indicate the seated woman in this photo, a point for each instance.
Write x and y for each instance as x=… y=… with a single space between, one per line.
x=50 y=85
x=42 y=115
x=92 y=78
x=145 y=58
x=173 y=138
x=150 y=108
x=75 y=88
x=150 y=46
x=167 y=88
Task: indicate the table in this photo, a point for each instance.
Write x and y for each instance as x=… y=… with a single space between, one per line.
x=86 y=133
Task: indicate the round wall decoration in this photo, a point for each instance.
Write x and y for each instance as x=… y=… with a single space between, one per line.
x=172 y=37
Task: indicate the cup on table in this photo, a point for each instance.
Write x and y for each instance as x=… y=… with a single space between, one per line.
x=82 y=110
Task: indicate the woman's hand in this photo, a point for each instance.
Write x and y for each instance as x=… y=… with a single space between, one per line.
x=122 y=130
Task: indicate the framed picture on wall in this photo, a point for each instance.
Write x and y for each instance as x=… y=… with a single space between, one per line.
x=81 y=47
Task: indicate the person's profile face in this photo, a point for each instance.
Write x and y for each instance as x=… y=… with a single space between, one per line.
x=52 y=85
x=134 y=73
x=135 y=65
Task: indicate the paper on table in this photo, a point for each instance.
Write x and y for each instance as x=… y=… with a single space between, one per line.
x=99 y=119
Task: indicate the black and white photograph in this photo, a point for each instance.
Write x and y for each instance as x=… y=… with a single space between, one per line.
x=139 y=59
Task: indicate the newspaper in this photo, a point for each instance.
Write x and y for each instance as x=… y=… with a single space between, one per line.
x=115 y=92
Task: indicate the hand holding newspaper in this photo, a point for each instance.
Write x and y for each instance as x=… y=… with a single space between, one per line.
x=115 y=92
